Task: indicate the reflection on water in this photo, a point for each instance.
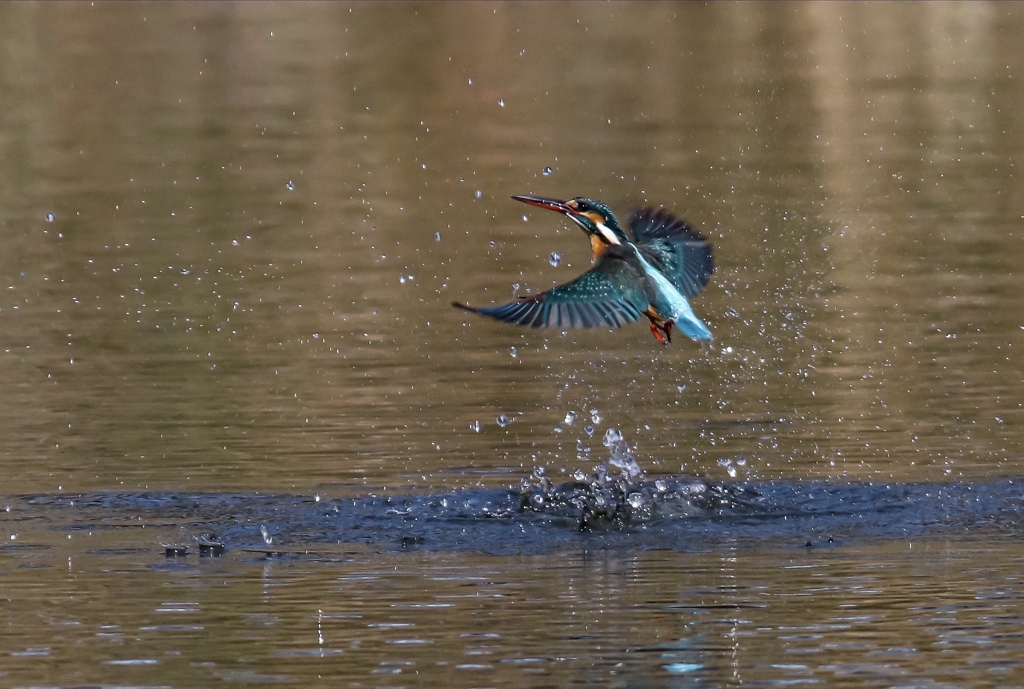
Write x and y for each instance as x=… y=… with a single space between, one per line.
x=231 y=237
x=726 y=594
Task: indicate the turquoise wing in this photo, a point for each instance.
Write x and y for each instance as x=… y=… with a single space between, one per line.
x=672 y=246
x=610 y=294
x=670 y=303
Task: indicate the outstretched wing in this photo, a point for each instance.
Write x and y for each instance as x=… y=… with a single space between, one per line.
x=682 y=253
x=610 y=294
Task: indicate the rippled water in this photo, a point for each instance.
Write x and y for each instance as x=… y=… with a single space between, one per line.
x=232 y=234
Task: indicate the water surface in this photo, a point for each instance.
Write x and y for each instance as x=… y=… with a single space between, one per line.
x=231 y=238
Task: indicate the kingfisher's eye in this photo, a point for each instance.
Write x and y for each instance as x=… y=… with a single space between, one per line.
x=582 y=206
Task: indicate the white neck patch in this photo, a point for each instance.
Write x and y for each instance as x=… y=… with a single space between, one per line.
x=607 y=233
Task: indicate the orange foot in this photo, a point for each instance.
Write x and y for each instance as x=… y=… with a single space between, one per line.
x=657 y=331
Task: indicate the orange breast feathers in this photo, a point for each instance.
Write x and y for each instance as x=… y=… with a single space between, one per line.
x=598 y=246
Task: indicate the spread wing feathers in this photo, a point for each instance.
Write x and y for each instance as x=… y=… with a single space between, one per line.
x=674 y=247
x=611 y=294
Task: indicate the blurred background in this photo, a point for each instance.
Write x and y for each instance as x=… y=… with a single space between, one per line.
x=230 y=236
x=232 y=232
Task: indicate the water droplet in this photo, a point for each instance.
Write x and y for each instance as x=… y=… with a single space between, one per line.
x=478 y=194
x=546 y=171
x=470 y=81
x=401 y=279
x=267 y=537
x=290 y=186
x=680 y=388
x=437 y=236
x=474 y=426
x=595 y=417
x=316 y=498
x=555 y=258
x=570 y=417
x=513 y=352
x=50 y=217
x=501 y=102
x=611 y=437
x=578 y=475
x=589 y=430
x=635 y=500
x=503 y=420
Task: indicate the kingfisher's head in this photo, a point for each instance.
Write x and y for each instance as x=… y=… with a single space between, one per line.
x=593 y=217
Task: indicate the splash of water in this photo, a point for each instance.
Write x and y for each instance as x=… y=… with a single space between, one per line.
x=615 y=494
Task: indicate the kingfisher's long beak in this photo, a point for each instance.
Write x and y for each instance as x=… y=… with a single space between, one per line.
x=550 y=204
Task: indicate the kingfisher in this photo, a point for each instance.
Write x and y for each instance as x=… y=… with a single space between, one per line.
x=653 y=274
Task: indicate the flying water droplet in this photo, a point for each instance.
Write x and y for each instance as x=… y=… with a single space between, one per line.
x=290 y=186
x=570 y=417
x=503 y=420
x=555 y=258
x=546 y=171
x=478 y=194
x=437 y=236
x=501 y=102
x=611 y=437
x=595 y=417
x=513 y=352
x=268 y=539
x=50 y=217
x=474 y=426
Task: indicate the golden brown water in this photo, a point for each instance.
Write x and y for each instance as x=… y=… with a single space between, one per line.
x=231 y=235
